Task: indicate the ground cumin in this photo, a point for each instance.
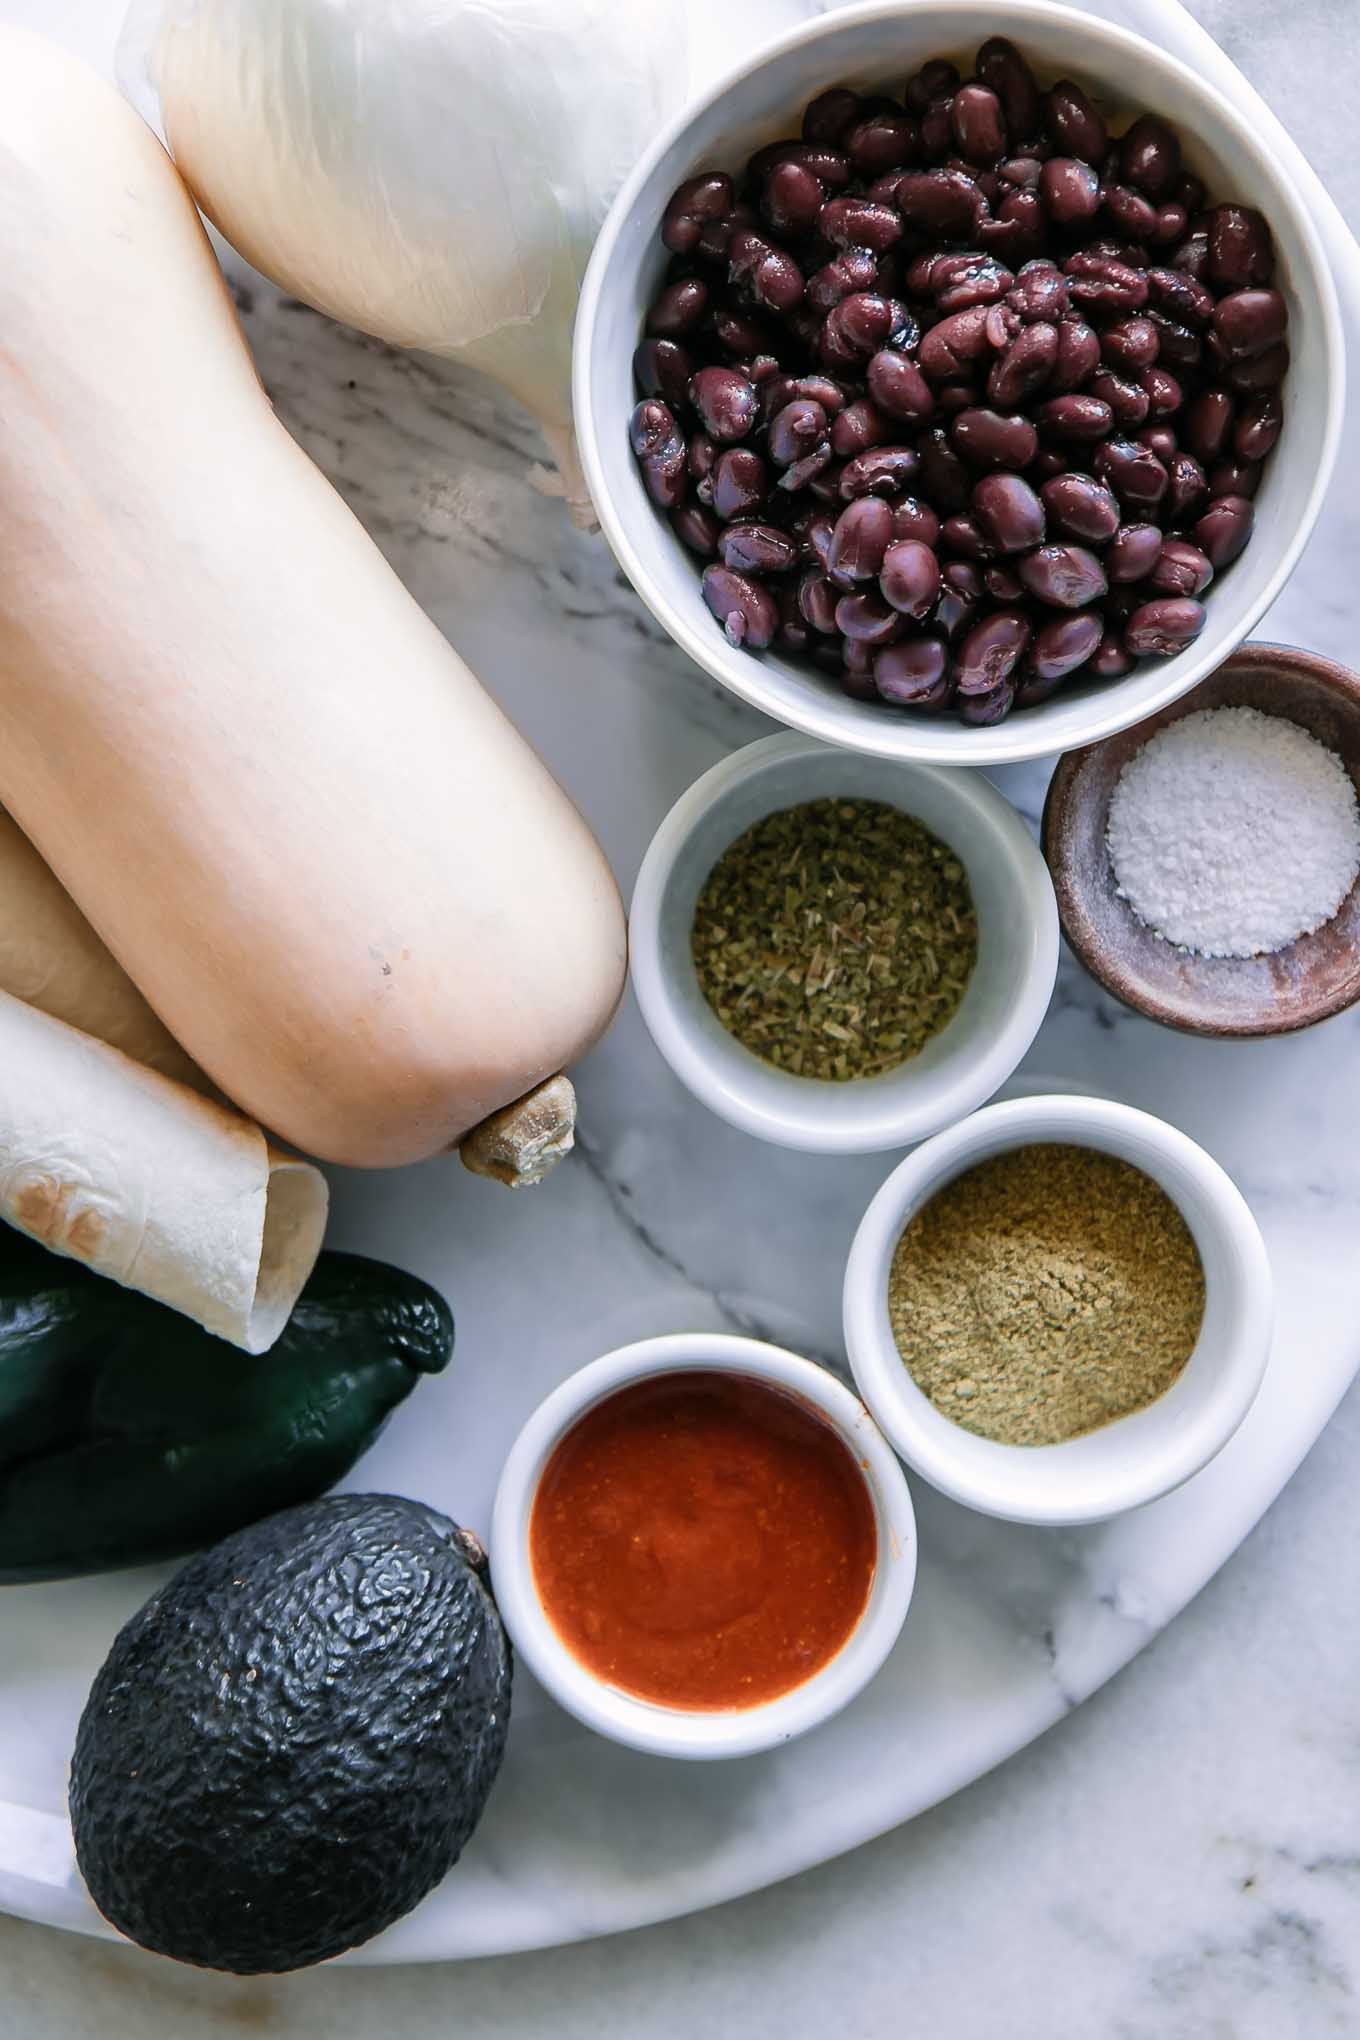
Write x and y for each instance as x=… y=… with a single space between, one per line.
x=1044 y=1293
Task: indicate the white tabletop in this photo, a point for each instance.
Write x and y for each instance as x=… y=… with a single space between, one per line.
x=1177 y=1862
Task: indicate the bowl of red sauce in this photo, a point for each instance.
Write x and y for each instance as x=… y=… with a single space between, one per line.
x=702 y=1545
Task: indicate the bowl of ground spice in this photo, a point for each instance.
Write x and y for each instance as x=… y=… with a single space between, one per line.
x=839 y=952
x=1206 y=860
x=1058 y=1309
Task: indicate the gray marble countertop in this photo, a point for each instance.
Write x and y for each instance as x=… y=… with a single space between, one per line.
x=1164 y=1867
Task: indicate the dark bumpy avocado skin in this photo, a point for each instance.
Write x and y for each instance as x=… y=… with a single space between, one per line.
x=291 y=1743
x=127 y=1433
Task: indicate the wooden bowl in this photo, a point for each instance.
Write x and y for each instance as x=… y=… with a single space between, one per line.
x=1291 y=988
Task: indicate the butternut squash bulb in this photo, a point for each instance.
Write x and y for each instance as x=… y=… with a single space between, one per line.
x=339 y=876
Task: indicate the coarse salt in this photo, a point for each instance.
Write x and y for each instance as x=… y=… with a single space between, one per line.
x=1232 y=832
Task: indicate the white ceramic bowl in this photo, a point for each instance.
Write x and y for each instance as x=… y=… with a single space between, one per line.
x=1128 y=1462
x=967 y=1061
x=677 y=1732
x=876 y=47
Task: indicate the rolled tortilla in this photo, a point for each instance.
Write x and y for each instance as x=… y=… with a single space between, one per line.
x=146 y=1182
x=51 y=958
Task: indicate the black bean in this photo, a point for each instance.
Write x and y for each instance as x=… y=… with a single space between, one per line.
x=1224 y=529
x=696 y=527
x=1069 y=191
x=1240 y=249
x=1246 y=322
x=691 y=204
x=1062 y=644
x=1132 y=471
x=1164 y=627
x=914 y=519
x=662 y=368
x=853 y=270
x=962 y=281
x=678 y=308
x=1078 y=355
x=725 y=400
x=1181 y=569
x=898 y=387
x=983 y=710
x=814 y=471
x=882 y=471
x=768 y=275
x=1234 y=478
x=860 y=425
x=1072 y=123
x=739 y=483
x=1180 y=298
x=950 y=348
x=990 y=652
x=659 y=447
x=813 y=529
x=1103 y=284
x=1208 y=421
x=793 y=198
x=1161 y=440
x=1110 y=661
x=858 y=223
x=1130 y=212
x=1082 y=418
x=1000 y=65
x=991 y=439
x=1129 y=344
x=914 y=673
x=883 y=141
x=1187 y=488
x=826 y=118
x=1258 y=425
x=795 y=430
x=936 y=80
x=862 y=535
x=817 y=601
x=757 y=549
x=1260 y=372
x=909 y=579
x=1150 y=157
x=1008 y=513
x=1026 y=366
x=746 y=611
x=1128 y=400
x=942 y=202
x=1165 y=397
x=1039 y=292
x=867 y=617
x=979 y=123
x=793 y=633
x=1082 y=507
x=1064 y=576
x=1133 y=552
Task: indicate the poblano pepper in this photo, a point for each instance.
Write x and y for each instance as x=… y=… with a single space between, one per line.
x=129 y=1434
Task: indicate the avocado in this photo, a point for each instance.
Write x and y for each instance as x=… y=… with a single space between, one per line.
x=290 y=1744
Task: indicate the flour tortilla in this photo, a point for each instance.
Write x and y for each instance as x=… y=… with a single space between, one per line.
x=51 y=958
x=164 y=1191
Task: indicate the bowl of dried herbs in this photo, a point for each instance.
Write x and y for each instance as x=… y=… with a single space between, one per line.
x=839 y=952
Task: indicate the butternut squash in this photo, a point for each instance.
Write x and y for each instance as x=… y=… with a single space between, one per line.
x=339 y=876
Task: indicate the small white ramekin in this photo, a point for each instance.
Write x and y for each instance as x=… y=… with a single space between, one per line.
x=677 y=1732
x=967 y=1061
x=1138 y=1457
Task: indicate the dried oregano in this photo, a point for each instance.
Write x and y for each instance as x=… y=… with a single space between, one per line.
x=835 y=939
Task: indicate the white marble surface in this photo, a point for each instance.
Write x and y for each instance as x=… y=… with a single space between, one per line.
x=1183 y=1859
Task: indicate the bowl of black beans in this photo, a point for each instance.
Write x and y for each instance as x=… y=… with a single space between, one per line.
x=959 y=381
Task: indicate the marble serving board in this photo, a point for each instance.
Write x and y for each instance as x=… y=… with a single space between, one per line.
x=669 y=1220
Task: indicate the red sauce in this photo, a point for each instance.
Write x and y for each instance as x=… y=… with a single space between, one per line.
x=703 y=1541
